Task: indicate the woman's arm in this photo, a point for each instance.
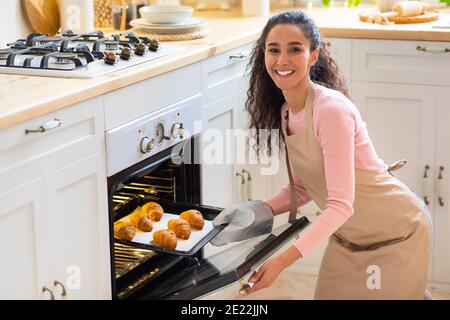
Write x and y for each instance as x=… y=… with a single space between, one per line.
x=280 y=203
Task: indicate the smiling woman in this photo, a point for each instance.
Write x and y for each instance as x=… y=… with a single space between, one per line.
x=377 y=228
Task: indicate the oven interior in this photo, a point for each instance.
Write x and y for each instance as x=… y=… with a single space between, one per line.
x=170 y=178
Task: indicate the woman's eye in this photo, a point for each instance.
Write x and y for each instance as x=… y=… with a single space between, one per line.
x=295 y=49
x=273 y=50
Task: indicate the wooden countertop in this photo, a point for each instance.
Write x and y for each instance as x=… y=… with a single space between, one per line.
x=27 y=97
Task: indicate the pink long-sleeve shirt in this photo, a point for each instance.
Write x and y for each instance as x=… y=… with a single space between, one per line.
x=346 y=145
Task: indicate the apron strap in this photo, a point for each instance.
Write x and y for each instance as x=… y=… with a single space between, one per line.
x=293 y=206
x=396 y=165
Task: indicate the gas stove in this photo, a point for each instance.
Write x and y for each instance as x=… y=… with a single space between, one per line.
x=68 y=55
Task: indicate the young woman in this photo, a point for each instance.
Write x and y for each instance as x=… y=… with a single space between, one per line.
x=378 y=229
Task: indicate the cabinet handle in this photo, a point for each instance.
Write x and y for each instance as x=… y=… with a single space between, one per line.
x=240 y=55
x=425 y=186
x=440 y=187
x=52 y=295
x=249 y=184
x=64 y=291
x=433 y=49
x=327 y=44
x=52 y=124
x=241 y=186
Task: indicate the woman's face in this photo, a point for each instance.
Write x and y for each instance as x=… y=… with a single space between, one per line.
x=288 y=56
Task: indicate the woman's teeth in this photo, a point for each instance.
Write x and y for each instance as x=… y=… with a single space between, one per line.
x=284 y=73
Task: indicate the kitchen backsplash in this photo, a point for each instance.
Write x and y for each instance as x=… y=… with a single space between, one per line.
x=12 y=20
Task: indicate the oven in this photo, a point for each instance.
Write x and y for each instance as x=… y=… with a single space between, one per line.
x=158 y=158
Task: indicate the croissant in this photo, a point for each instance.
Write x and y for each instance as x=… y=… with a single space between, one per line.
x=165 y=238
x=124 y=230
x=154 y=210
x=194 y=218
x=181 y=228
x=141 y=220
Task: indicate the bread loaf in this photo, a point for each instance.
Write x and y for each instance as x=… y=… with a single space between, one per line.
x=194 y=218
x=154 y=210
x=124 y=230
x=180 y=227
x=141 y=220
x=410 y=8
x=165 y=238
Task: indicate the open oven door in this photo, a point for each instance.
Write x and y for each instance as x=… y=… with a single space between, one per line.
x=217 y=268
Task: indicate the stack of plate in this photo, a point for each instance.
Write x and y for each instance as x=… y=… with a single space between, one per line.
x=189 y=26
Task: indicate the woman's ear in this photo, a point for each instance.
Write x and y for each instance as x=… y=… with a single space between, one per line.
x=313 y=57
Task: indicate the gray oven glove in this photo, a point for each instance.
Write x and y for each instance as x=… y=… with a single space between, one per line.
x=245 y=220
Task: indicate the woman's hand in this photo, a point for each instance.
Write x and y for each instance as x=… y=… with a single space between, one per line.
x=266 y=275
x=270 y=270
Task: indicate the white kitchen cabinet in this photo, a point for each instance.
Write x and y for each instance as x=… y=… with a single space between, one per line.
x=78 y=234
x=341 y=51
x=442 y=194
x=400 y=120
x=54 y=216
x=23 y=242
x=218 y=168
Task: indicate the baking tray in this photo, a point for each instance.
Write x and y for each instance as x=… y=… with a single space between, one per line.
x=189 y=247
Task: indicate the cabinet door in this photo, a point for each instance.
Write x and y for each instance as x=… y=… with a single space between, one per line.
x=218 y=165
x=341 y=51
x=442 y=176
x=23 y=243
x=401 y=121
x=78 y=228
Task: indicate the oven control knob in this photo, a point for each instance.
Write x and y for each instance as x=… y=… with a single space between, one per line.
x=147 y=144
x=160 y=133
x=177 y=131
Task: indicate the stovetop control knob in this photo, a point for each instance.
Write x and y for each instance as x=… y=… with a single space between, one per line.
x=177 y=131
x=147 y=144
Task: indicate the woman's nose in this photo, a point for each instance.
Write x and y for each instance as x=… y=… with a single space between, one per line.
x=283 y=59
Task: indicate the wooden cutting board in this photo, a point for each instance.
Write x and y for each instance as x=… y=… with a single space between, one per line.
x=42 y=15
x=393 y=16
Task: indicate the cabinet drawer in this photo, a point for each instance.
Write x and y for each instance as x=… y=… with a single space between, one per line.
x=26 y=156
x=129 y=103
x=401 y=62
x=224 y=74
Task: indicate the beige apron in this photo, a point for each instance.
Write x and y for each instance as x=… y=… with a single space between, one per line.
x=382 y=250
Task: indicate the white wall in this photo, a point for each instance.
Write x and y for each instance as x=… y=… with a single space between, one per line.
x=13 y=23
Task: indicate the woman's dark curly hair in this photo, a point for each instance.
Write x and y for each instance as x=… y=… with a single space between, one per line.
x=264 y=98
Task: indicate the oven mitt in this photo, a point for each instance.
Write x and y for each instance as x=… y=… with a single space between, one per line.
x=245 y=220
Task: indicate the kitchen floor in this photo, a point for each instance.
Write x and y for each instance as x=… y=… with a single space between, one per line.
x=293 y=285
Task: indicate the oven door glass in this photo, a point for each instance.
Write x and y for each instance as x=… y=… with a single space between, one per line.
x=200 y=275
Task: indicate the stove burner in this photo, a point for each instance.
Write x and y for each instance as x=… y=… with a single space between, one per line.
x=64 y=57
x=111 y=45
x=5 y=52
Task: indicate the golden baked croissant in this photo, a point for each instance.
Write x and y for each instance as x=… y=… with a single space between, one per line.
x=165 y=238
x=181 y=228
x=124 y=230
x=154 y=210
x=194 y=218
x=141 y=220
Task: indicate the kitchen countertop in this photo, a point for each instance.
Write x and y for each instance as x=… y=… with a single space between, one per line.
x=26 y=97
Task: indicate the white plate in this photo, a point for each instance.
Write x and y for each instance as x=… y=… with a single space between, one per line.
x=187 y=26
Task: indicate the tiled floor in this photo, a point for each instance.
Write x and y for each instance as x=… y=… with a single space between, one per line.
x=293 y=285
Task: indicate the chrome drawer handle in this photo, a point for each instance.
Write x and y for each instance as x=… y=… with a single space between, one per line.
x=440 y=186
x=433 y=49
x=425 y=185
x=240 y=55
x=50 y=125
x=52 y=295
x=64 y=291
